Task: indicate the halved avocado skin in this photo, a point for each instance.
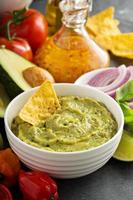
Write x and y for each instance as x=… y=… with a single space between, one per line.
x=4 y=100
x=10 y=86
x=11 y=72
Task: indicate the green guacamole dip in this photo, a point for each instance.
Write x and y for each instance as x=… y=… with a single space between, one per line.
x=80 y=124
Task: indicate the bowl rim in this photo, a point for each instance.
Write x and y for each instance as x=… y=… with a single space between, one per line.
x=33 y=148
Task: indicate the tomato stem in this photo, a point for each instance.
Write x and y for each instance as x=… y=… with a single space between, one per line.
x=9 y=37
x=17 y=18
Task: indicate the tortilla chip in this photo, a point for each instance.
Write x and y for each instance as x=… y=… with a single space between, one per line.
x=40 y=105
x=120 y=45
x=103 y=23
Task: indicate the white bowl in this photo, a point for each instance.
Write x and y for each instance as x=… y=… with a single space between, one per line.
x=10 y=5
x=65 y=164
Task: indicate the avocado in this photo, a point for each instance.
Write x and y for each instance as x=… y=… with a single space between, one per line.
x=11 y=68
x=1 y=142
x=4 y=100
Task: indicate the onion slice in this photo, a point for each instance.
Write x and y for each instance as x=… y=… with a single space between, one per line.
x=111 y=79
x=118 y=81
x=104 y=78
x=112 y=92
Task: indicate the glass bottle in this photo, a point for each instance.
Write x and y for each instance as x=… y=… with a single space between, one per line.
x=71 y=52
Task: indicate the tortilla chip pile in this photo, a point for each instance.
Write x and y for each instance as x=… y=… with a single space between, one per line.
x=40 y=105
x=103 y=28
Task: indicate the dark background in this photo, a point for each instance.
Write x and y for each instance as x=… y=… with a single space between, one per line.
x=114 y=181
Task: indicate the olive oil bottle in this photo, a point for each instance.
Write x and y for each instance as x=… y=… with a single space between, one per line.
x=71 y=52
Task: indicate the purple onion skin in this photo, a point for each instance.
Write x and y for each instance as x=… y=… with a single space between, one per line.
x=112 y=93
x=99 y=81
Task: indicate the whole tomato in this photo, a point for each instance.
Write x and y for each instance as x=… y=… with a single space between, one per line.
x=19 y=46
x=29 y=24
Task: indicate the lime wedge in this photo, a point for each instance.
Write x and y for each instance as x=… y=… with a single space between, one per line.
x=124 y=151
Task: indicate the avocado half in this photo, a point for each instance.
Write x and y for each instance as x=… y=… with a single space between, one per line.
x=11 y=68
x=4 y=100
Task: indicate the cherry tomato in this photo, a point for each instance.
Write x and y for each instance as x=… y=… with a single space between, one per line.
x=5 y=193
x=28 y=24
x=19 y=46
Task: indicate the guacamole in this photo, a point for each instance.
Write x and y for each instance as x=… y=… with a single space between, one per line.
x=79 y=124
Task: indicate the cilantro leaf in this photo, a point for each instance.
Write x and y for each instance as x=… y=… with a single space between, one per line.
x=123 y=96
x=128 y=112
x=125 y=93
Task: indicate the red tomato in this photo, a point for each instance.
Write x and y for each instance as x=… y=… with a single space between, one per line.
x=33 y=27
x=5 y=193
x=19 y=46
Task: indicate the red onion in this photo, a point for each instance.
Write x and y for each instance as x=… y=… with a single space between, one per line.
x=104 y=78
x=111 y=79
x=112 y=92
